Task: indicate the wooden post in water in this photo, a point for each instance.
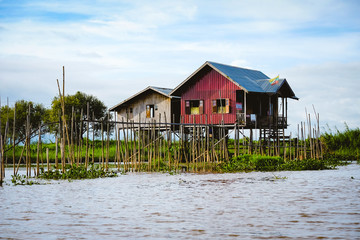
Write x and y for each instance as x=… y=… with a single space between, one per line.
x=80 y=138
x=47 y=159
x=139 y=144
x=38 y=153
x=72 y=147
x=14 y=127
x=125 y=146
x=102 y=145
x=107 y=142
x=1 y=152
x=28 y=151
x=87 y=134
x=56 y=152
x=93 y=139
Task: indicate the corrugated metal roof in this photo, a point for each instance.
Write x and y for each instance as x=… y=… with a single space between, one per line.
x=251 y=80
x=165 y=91
x=267 y=87
x=248 y=79
x=242 y=76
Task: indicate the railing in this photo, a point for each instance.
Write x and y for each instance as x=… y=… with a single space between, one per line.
x=255 y=120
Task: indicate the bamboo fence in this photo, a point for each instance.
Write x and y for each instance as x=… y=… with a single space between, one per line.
x=150 y=145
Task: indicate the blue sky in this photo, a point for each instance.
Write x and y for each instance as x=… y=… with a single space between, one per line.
x=113 y=49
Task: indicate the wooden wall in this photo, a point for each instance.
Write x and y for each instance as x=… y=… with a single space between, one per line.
x=209 y=86
x=162 y=106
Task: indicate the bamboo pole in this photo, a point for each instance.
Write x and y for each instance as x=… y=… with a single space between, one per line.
x=168 y=142
x=14 y=129
x=93 y=139
x=107 y=142
x=47 y=159
x=38 y=153
x=56 y=152
x=80 y=137
x=102 y=145
x=121 y=150
x=28 y=152
x=134 y=153
x=125 y=146
x=72 y=137
x=310 y=137
x=116 y=144
x=1 y=151
x=149 y=147
x=87 y=134
x=139 y=144
x=193 y=144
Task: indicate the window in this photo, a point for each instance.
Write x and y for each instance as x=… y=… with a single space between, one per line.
x=150 y=111
x=221 y=105
x=194 y=106
x=129 y=113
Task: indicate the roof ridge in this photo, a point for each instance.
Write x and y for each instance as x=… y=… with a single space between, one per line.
x=161 y=87
x=228 y=65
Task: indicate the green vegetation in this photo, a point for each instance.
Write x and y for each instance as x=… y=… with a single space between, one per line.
x=22 y=180
x=248 y=163
x=37 y=115
x=77 y=172
x=71 y=173
x=76 y=108
x=342 y=145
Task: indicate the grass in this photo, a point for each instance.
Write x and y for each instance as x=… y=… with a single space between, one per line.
x=342 y=145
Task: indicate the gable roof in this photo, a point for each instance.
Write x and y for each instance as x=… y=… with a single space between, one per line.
x=247 y=79
x=163 y=91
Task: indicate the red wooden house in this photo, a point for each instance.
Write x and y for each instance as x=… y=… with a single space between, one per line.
x=222 y=94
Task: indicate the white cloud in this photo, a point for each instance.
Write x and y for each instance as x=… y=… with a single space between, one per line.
x=116 y=48
x=331 y=88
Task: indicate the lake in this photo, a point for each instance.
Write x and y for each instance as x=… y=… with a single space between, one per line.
x=258 y=205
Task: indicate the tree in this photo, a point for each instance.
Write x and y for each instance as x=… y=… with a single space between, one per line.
x=74 y=106
x=37 y=117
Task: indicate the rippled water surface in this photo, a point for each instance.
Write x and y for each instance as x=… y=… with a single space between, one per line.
x=288 y=205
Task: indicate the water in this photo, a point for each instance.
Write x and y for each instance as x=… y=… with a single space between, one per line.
x=288 y=205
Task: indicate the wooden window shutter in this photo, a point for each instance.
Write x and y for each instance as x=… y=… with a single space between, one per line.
x=201 y=106
x=187 y=107
x=214 y=106
x=227 y=105
x=147 y=111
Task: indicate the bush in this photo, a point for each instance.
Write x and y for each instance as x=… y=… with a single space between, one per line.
x=246 y=163
x=251 y=163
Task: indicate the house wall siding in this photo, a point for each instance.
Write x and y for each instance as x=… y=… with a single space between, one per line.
x=139 y=108
x=210 y=86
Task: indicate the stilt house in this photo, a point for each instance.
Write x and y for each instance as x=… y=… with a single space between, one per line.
x=222 y=94
x=152 y=103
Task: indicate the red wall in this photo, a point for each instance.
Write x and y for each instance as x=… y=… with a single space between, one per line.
x=207 y=88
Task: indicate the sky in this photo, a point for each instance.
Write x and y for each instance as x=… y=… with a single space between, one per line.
x=112 y=49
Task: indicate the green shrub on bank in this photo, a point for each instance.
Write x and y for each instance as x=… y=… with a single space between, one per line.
x=246 y=163
x=306 y=164
x=345 y=145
